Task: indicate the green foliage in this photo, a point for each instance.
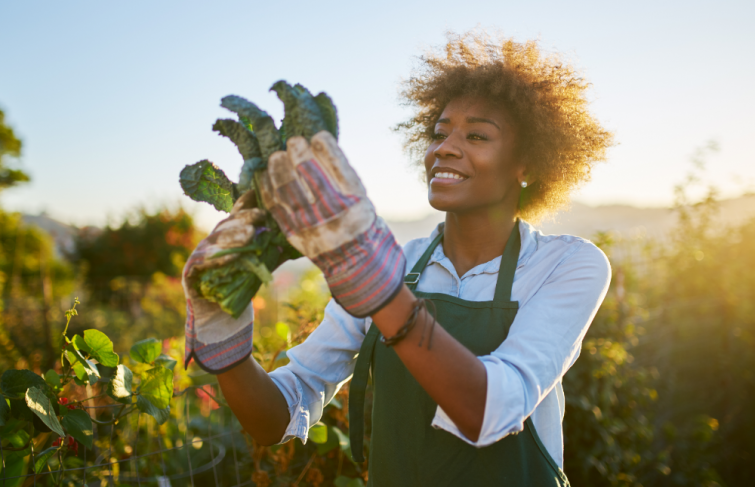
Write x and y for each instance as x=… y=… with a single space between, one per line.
x=302 y=113
x=146 y=351
x=121 y=385
x=204 y=181
x=40 y=405
x=10 y=146
x=142 y=245
x=33 y=281
x=157 y=386
x=43 y=405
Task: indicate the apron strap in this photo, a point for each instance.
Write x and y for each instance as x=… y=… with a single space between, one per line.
x=412 y=278
x=509 y=261
x=357 y=391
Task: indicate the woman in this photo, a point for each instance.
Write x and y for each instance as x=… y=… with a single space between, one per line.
x=467 y=349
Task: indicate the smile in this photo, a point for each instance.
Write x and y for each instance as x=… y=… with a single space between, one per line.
x=445 y=177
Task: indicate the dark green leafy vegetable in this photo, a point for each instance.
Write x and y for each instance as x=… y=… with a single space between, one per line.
x=262 y=123
x=204 y=181
x=328 y=110
x=303 y=115
x=235 y=283
x=245 y=140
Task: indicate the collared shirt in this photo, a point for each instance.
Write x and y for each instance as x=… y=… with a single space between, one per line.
x=560 y=281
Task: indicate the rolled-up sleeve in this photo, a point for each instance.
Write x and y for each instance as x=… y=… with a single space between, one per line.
x=318 y=368
x=542 y=344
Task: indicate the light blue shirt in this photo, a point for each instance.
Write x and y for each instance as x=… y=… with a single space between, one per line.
x=560 y=281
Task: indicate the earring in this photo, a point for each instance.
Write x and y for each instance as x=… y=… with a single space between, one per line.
x=524 y=184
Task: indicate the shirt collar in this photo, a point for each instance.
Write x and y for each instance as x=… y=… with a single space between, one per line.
x=529 y=238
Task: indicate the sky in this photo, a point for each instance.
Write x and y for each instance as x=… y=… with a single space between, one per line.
x=112 y=99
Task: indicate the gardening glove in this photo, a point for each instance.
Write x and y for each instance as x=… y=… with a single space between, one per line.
x=320 y=204
x=215 y=339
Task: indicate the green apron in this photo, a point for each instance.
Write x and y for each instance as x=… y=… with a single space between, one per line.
x=405 y=450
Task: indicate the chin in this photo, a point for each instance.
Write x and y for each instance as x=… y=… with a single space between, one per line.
x=444 y=204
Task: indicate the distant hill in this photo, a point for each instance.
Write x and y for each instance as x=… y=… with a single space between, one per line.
x=585 y=221
x=580 y=219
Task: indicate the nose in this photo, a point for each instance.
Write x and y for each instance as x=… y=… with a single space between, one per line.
x=448 y=148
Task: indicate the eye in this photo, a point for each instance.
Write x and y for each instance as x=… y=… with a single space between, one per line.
x=477 y=136
x=438 y=136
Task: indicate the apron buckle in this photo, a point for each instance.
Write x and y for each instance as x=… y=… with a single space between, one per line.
x=412 y=278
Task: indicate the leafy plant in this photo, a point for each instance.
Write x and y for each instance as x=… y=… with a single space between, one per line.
x=32 y=407
x=234 y=284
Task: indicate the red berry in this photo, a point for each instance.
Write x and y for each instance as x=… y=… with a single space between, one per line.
x=63 y=400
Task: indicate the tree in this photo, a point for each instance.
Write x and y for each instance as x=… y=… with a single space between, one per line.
x=10 y=147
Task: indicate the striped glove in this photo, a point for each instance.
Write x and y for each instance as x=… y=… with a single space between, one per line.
x=320 y=204
x=215 y=339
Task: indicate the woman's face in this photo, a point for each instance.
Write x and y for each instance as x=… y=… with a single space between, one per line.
x=470 y=164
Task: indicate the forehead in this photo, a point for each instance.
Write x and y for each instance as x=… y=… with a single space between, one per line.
x=459 y=109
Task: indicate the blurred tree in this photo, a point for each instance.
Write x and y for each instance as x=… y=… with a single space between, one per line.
x=144 y=244
x=10 y=147
x=132 y=274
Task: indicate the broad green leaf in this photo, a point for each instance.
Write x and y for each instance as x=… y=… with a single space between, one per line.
x=120 y=385
x=15 y=461
x=86 y=371
x=52 y=378
x=15 y=383
x=329 y=445
x=157 y=386
x=101 y=348
x=343 y=441
x=204 y=181
x=344 y=481
x=79 y=425
x=4 y=410
x=42 y=407
x=318 y=433
x=80 y=344
x=145 y=406
x=72 y=353
x=166 y=361
x=40 y=461
x=146 y=351
x=283 y=331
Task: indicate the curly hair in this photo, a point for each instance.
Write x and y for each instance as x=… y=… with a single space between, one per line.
x=558 y=140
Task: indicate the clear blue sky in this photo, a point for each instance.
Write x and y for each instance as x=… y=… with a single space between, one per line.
x=113 y=99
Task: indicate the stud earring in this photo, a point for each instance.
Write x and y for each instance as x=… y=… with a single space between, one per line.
x=524 y=184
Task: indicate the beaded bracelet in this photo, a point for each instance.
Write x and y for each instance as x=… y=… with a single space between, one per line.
x=406 y=327
x=419 y=304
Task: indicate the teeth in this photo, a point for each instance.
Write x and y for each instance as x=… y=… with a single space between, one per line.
x=448 y=175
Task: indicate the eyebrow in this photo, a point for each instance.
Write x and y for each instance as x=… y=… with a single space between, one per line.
x=472 y=120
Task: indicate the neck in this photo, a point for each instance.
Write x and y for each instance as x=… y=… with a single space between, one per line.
x=474 y=237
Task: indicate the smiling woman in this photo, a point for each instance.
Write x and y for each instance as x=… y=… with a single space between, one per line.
x=467 y=350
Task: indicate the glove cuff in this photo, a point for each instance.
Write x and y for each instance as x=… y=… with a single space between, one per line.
x=222 y=356
x=365 y=273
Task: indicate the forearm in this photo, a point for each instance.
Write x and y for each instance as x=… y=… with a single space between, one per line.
x=448 y=371
x=256 y=401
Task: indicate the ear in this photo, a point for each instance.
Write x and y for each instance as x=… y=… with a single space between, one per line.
x=524 y=175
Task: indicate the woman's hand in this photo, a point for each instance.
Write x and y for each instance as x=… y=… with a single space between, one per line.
x=322 y=207
x=215 y=339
